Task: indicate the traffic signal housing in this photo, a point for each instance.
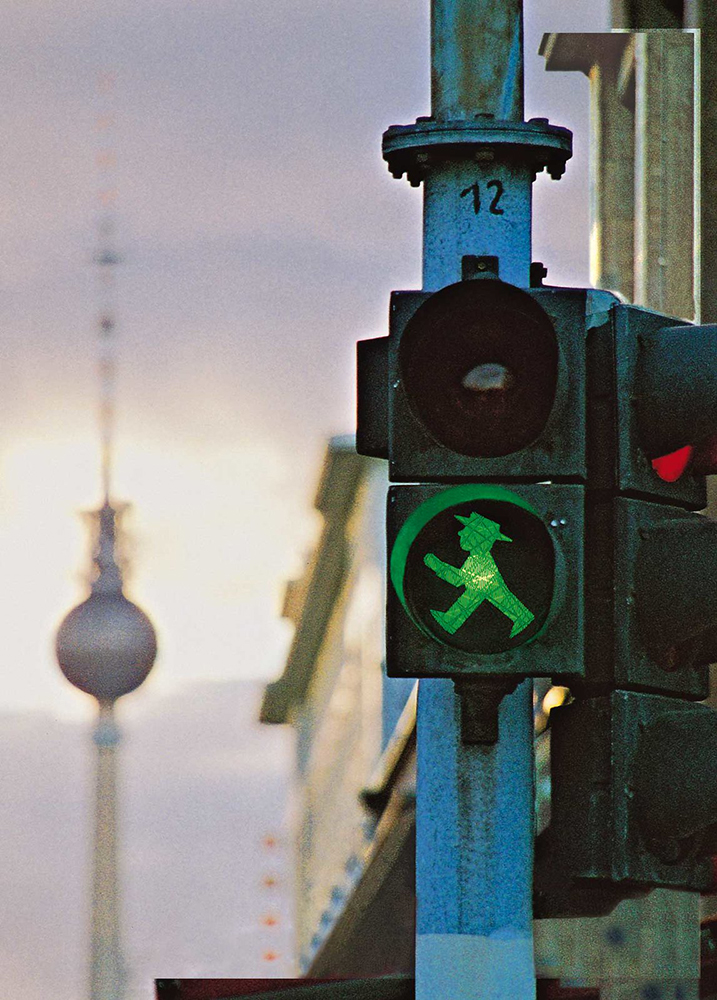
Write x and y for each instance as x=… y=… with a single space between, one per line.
x=550 y=448
x=666 y=396
x=482 y=381
x=481 y=384
x=665 y=594
x=567 y=398
x=634 y=800
x=539 y=390
x=621 y=593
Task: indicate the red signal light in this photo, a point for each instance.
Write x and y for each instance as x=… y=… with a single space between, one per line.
x=670 y=467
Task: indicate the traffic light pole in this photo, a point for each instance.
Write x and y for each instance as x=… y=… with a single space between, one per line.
x=474 y=852
x=475 y=803
x=548 y=448
x=476 y=75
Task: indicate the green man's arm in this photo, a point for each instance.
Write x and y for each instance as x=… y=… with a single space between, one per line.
x=444 y=570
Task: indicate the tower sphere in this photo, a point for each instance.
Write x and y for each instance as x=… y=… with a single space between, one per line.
x=106 y=646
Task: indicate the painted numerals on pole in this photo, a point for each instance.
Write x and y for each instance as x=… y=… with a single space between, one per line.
x=489 y=201
x=476 y=209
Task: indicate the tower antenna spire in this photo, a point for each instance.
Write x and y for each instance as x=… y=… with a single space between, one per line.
x=106 y=259
x=106 y=645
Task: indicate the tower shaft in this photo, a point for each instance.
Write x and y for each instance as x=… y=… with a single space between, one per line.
x=106 y=966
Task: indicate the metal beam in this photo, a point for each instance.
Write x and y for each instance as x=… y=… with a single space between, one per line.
x=601 y=57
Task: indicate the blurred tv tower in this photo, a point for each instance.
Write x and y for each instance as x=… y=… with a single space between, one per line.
x=106 y=646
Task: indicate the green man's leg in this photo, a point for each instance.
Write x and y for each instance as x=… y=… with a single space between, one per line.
x=512 y=608
x=459 y=612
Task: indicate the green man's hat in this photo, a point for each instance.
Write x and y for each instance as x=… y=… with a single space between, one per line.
x=484 y=522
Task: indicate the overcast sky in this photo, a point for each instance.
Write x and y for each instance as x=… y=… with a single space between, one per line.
x=205 y=850
x=261 y=236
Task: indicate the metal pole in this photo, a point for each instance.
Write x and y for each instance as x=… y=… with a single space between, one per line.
x=477 y=58
x=474 y=852
x=474 y=824
x=479 y=204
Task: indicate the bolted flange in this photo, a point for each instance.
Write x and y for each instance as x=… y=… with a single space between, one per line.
x=414 y=149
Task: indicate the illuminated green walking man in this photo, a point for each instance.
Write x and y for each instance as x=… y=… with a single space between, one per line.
x=480 y=576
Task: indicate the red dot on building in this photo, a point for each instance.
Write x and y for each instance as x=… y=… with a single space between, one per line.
x=270 y=920
x=269 y=881
x=269 y=842
x=270 y=956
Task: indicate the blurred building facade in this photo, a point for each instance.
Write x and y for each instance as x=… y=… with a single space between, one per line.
x=356 y=758
x=353 y=725
x=646 y=236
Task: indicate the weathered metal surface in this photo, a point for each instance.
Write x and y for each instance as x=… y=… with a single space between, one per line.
x=418 y=149
x=474 y=845
x=474 y=803
x=454 y=229
x=477 y=161
x=477 y=58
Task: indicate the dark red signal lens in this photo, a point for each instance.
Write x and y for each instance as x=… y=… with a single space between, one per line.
x=704 y=460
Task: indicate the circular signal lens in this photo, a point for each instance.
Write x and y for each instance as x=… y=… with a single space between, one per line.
x=475 y=569
x=479 y=363
x=488 y=378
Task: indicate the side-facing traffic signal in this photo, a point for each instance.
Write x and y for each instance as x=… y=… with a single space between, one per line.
x=666 y=398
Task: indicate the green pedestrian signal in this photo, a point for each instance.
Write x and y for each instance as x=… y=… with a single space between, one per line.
x=480 y=577
x=505 y=591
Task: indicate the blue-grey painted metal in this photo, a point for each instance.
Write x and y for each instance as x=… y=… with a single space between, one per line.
x=477 y=178
x=474 y=851
x=476 y=159
x=477 y=58
x=458 y=220
x=474 y=825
